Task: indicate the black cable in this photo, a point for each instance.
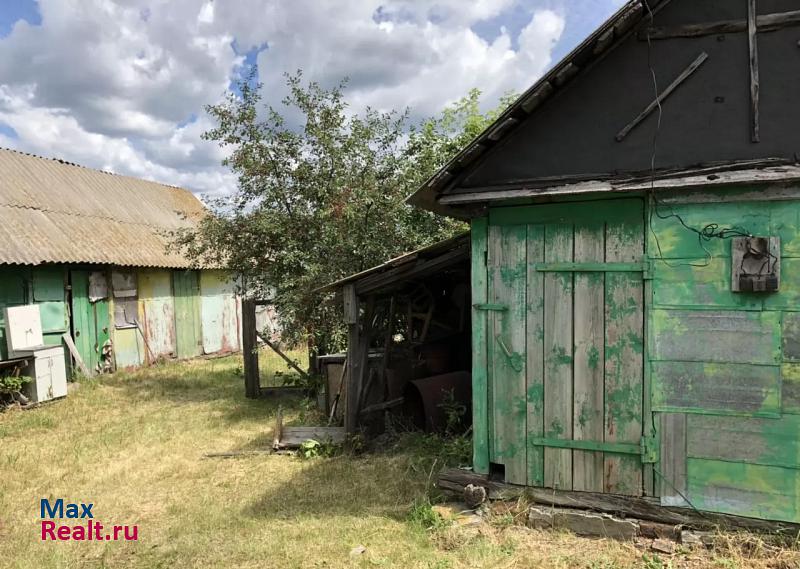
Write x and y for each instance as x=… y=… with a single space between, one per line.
x=710 y=231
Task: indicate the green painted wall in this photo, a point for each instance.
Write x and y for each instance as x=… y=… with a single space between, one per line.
x=558 y=368
x=721 y=369
x=169 y=309
x=728 y=360
x=188 y=329
x=14 y=291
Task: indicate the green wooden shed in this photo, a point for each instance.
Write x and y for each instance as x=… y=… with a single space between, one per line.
x=636 y=263
x=90 y=248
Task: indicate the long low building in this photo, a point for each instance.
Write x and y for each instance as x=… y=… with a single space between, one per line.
x=90 y=249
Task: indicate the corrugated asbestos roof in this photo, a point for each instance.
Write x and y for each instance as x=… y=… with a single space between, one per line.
x=56 y=212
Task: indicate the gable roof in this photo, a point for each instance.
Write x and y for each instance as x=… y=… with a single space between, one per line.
x=617 y=28
x=53 y=211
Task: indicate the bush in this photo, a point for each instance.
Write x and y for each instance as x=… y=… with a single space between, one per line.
x=10 y=384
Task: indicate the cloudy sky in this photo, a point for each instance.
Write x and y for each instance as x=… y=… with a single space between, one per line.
x=120 y=85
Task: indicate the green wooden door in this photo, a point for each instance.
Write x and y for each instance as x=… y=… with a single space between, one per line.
x=90 y=319
x=186 y=286
x=563 y=333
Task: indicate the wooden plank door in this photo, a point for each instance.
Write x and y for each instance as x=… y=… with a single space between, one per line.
x=90 y=321
x=564 y=345
x=188 y=338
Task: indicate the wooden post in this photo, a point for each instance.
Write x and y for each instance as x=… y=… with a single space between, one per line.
x=252 y=385
x=350 y=300
x=755 y=89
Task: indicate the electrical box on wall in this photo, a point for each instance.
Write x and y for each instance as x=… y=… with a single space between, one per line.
x=756 y=264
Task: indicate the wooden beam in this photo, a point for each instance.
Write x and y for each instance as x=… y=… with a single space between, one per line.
x=766 y=23
x=752 y=32
x=383 y=406
x=455 y=480
x=284 y=357
x=252 y=383
x=692 y=178
x=688 y=72
x=75 y=354
x=351 y=303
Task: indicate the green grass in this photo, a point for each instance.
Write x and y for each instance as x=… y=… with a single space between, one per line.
x=133 y=444
x=273 y=369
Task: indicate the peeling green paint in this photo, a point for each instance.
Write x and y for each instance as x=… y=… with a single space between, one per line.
x=623 y=405
x=594 y=357
x=721 y=358
x=586 y=414
x=556 y=429
x=560 y=356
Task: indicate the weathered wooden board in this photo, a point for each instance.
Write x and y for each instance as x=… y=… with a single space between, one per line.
x=672 y=466
x=218 y=313
x=674 y=241
x=791 y=337
x=699 y=283
x=765 y=211
x=610 y=211
x=717 y=336
x=188 y=329
x=769 y=442
x=455 y=480
x=624 y=355
x=129 y=348
x=790 y=378
x=157 y=311
x=535 y=354
x=716 y=388
x=480 y=389
x=789 y=296
x=589 y=350
x=752 y=490
x=558 y=359
x=90 y=321
x=294 y=437
x=785 y=224
x=508 y=272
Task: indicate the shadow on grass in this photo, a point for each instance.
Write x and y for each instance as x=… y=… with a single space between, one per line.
x=343 y=486
x=217 y=382
x=384 y=483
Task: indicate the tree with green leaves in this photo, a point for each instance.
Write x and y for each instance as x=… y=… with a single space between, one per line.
x=321 y=198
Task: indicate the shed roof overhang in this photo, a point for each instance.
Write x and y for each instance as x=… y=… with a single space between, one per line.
x=415 y=265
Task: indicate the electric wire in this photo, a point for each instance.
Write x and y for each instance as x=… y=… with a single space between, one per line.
x=710 y=231
x=651 y=16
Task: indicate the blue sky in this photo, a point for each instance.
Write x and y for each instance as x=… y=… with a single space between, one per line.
x=121 y=84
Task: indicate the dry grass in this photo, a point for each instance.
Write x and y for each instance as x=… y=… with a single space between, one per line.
x=133 y=445
x=273 y=369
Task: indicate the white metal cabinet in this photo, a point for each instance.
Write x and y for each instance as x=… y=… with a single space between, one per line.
x=48 y=371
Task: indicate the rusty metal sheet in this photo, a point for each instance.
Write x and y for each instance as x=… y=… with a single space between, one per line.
x=218 y=313
x=157 y=312
x=55 y=212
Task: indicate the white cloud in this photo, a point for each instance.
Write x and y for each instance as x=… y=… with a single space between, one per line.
x=111 y=83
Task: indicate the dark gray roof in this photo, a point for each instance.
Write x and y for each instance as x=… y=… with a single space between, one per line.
x=617 y=28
